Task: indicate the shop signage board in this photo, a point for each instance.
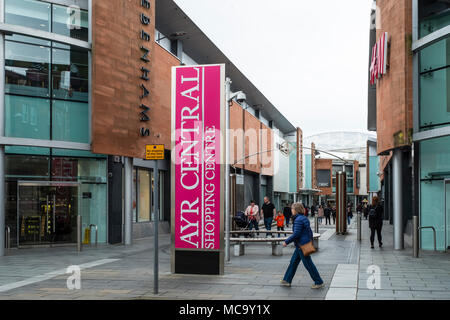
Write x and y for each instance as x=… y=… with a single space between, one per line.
x=154 y=152
x=198 y=150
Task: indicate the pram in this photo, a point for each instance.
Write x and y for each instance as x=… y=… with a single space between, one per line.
x=242 y=222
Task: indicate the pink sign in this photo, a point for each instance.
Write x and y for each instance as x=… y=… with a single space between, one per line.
x=198 y=98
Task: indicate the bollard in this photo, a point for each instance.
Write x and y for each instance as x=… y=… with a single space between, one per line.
x=79 y=233
x=316 y=224
x=415 y=236
x=96 y=234
x=7 y=238
x=358 y=224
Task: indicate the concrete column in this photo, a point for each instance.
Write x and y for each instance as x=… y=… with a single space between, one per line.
x=128 y=180
x=397 y=199
x=2 y=133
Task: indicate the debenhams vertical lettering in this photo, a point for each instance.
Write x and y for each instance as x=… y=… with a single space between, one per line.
x=144 y=71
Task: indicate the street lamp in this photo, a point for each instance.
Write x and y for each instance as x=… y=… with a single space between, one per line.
x=240 y=97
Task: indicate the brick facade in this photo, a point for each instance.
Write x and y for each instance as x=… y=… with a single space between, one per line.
x=394 y=89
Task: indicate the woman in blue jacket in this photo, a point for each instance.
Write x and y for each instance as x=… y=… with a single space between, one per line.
x=302 y=234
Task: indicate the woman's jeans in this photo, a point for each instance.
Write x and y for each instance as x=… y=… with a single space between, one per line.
x=372 y=235
x=253 y=223
x=307 y=262
x=268 y=224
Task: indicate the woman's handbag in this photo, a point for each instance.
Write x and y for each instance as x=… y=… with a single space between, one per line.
x=308 y=249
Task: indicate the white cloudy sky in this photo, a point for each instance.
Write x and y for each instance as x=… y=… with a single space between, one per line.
x=308 y=57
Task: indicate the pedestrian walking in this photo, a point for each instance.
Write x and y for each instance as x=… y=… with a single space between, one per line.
x=327 y=213
x=280 y=222
x=302 y=235
x=349 y=215
x=320 y=214
x=252 y=213
x=366 y=211
x=313 y=210
x=269 y=213
x=287 y=215
x=333 y=214
x=375 y=221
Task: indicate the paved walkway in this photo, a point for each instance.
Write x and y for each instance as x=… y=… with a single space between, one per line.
x=118 y=272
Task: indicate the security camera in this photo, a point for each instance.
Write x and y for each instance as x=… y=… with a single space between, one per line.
x=241 y=97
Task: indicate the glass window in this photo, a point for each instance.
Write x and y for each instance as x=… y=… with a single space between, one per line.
x=70 y=121
x=26 y=69
x=76 y=169
x=27 y=117
x=433 y=15
x=144 y=190
x=27 y=150
x=17 y=166
x=76 y=153
x=435 y=85
x=432 y=214
x=435 y=158
x=133 y=194
x=349 y=171
x=350 y=186
x=28 y=13
x=434 y=168
x=70 y=75
x=71 y=22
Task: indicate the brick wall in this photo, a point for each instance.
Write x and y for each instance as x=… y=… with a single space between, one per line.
x=394 y=89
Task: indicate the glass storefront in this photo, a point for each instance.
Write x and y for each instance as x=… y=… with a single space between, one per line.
x=46 y=98
x=434 y=113
x=143 y=192
x=435 y=172
x=53 y=190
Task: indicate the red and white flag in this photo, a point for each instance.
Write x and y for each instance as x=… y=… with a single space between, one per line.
x=379 y=56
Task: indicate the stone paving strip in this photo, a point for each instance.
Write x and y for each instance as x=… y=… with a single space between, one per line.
x=344 y=285
x=51 y=275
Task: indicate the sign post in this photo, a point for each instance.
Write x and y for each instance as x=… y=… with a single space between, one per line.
x=156 y=153
x=198 y=148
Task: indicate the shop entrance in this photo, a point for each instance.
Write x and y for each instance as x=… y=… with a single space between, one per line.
x=47 y=213
x=447 y=214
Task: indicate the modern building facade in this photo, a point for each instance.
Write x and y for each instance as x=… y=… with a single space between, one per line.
x=86 y=85
x=431 y=109
x=412 y=118
x=328 y=154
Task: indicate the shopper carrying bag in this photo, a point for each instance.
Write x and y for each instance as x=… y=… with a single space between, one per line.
x=302 y=238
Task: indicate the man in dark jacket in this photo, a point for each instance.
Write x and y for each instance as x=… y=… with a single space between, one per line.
x=287 y=215
x=375 y=221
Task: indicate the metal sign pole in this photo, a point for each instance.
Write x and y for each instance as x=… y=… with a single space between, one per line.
x=156 y=201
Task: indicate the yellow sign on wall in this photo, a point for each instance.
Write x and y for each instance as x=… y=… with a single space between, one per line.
x=154 y=152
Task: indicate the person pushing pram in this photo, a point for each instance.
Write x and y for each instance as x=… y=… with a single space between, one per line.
x=252 y=213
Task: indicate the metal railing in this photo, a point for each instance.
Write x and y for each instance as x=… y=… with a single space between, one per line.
x=7 y=238
x=96 y=234
x=434 y=234
x=79 y=233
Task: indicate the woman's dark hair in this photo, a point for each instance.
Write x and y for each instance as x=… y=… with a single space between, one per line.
x=253 y=201
x=375 y=201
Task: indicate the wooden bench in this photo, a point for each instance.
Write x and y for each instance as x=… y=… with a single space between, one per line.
x=277 y=242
